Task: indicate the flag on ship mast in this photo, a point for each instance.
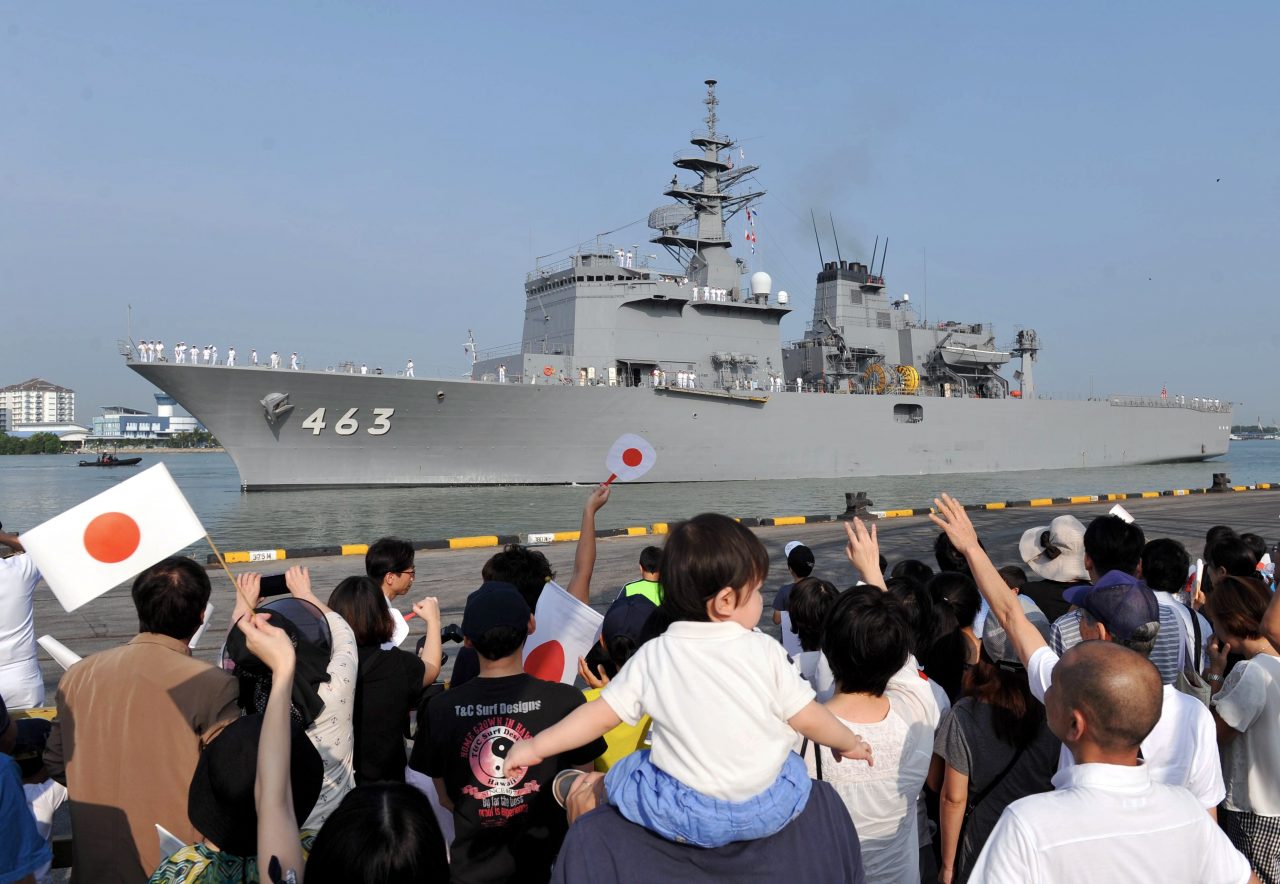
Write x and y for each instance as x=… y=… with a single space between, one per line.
x=751 y=230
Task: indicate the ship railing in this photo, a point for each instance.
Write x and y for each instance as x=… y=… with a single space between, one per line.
x=496 y=352
x=697 y=154
x=1172 y=401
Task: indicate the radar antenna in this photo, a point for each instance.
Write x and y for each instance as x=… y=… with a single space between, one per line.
x=836 y=237
x=815 y=237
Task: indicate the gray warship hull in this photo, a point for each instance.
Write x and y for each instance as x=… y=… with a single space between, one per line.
x=380 y=430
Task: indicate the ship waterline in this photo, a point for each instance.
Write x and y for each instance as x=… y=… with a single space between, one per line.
x=406 y=431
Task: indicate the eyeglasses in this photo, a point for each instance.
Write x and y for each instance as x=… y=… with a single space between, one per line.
x=412 y=572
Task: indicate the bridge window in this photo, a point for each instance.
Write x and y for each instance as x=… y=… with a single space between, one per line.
x=908 y=414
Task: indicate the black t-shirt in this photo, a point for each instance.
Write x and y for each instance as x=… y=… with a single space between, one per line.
x=1047 y=594
x=387 y=690
x=819 y=845
x=466 y=666
x=506 y=829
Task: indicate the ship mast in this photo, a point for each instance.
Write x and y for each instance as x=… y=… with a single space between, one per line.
x=693 y=229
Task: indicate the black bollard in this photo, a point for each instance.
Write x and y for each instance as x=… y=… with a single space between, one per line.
x=857 y=505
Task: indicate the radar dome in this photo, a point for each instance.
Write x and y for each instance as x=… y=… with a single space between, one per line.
x=761 y=283
x=783 y=297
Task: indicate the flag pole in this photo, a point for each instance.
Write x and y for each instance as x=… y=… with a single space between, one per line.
x=609 y=481
x=221 y=561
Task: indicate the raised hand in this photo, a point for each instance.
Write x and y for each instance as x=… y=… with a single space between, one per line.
x=599 y=497
x=952 y=518
x=592 y=679
x=863 y=551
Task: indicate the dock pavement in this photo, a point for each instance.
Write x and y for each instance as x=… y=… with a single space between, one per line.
x=451 y=574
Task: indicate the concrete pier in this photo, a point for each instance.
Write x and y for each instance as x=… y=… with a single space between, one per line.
x=452 y=574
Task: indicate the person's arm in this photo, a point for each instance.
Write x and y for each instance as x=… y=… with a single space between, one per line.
x=951 y=805
x=442 y=792
x=1214 y=675
x=428 y=611
x=952 y=518
x=863 y=552
x=249 y=586
x=588 y=722
x=278 y=837
x=11 y=541
x=584 y=560
x=585 y=796
x=937 y=769
x=816 y=722
x=298 y=580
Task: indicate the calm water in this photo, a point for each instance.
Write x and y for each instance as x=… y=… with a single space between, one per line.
x=34 y=488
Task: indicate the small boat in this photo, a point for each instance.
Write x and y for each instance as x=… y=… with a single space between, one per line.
x=110 y=460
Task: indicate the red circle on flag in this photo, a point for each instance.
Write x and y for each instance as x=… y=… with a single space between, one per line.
x=633 y=457
x=112 y=537
x=546 y=661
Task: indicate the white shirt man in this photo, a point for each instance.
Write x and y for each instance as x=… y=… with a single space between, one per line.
x=204 y=354
x=293 y=361
x=21 y=684
x=231 y=356
x=364 y=368
x=253 y=358
x=213 y=355
x=502 y=374
x=157 y=351
x=178 y=351
x=144 y=350
x=408 y=369
x=275 y=359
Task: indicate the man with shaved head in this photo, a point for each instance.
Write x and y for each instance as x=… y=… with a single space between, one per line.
x=1107 y=820
x=1180 y=747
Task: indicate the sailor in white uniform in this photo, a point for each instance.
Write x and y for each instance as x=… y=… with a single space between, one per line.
x=253 y=358
x=275 y=359
x=502 y=374
x=408 y=369
x=364 y=368
x=231 y=356
x=213 y=354
x=157 y=351
x=293 y=361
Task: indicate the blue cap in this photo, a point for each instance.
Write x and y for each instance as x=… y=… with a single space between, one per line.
x=494 y=604
x=1117 y=601
x=627 y=616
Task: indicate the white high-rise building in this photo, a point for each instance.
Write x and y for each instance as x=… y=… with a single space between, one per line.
x=36 y=402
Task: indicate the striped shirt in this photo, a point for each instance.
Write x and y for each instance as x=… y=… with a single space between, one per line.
x=1166 y=655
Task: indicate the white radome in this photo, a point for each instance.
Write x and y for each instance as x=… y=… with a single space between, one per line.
x=783 y=297
x=761 y=283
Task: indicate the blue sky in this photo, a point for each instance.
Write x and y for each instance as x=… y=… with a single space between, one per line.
x=369 y=180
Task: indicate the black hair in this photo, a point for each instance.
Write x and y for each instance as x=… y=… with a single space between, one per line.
x=956 y=602
x=918 y=607
x=703 y=556
x=387 y=555
x=1233 y=554
x=383 y=832
x=359 y=601
x=866 y=640
x=809 y=606
x=623 y=647
x=1238 y=605
x=1016 y=715
x=526 y=569
x=1165 y=563
x=947 y=556
x=170 y=597
x=1014 y=577
x=1214 y=534
x=1113 y=544
x=912 y=568
x=499 y=642
x=956 y=597
x=1257 y=545
x=650 y=556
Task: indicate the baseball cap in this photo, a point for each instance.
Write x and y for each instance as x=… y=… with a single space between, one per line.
x=494 y=604
x=799 y=558
x=996 y=642
x=1123 y=608
x=628 y=616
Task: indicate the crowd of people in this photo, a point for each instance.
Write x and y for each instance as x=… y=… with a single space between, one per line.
x=1102 y=711
x=193 y=354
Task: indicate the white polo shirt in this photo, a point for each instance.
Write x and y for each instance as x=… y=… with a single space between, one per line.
x=1181 y=750
x=1249 y=702
x=1107 y=822
x=21 y=684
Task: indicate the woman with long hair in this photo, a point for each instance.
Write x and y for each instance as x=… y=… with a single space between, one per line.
x=997 y=747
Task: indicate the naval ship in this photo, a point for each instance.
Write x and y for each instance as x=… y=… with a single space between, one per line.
x=692 y=359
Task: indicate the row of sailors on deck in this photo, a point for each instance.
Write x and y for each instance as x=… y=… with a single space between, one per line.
x=153 y=351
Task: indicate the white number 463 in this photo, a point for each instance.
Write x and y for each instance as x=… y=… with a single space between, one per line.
x=348 y=425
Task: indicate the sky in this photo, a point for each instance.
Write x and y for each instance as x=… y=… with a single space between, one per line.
x=371 y=180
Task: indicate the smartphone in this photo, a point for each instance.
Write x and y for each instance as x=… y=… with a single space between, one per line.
x=273 y=584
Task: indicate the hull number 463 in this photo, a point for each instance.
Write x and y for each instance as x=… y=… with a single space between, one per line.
x=349 y=423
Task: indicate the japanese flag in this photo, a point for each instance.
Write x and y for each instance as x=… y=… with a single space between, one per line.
x=109 y=539
x=565 y=630
x=630 y=458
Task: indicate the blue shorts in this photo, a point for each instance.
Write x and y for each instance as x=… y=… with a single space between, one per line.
x=652 y=798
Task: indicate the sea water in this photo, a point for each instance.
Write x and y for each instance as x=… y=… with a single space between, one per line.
x=34 y=488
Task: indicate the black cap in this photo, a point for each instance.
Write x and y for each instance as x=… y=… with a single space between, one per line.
x=494 y=604
x=628 y=616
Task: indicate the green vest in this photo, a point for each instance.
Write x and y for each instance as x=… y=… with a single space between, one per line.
x=646 y=588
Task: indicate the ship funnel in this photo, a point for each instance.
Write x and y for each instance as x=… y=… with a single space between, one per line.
x=761 y=283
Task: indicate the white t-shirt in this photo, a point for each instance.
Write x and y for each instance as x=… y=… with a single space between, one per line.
x=1250 y=703
x=814 y=668
x=21 y=684
x=1107 y=822
x=719 y=696
x=882 y=798
x=790 y=641
x=1181 y=750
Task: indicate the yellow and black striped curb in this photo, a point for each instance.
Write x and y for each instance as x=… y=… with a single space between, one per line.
x=658 y=528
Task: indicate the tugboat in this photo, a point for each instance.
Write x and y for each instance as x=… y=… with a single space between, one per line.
x=110 y=460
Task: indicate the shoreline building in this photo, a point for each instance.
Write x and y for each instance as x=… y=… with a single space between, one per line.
x=120 y=423
x=35 y=402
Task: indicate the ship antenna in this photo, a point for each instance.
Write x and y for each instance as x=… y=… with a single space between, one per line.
x=821 y=260
x=711 y=101
x=874 y=249
x=836 y=237
x=883 y=255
